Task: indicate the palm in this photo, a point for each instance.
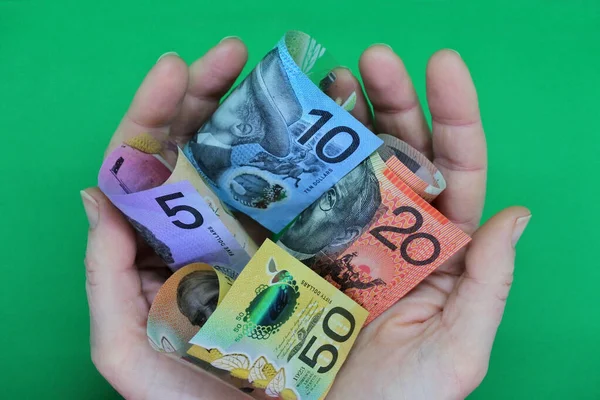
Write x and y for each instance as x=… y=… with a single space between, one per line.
x=440 y=332
x=411 y=327
x=406 y=349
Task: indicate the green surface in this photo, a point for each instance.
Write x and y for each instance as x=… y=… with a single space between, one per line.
x=68 y=71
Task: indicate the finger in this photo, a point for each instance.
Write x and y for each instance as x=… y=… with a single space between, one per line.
x=112 y=282
x=157 y=102
x=345 y=86
x=475 y=307
x=210 y=78
x=396 y=107
x=119 y=309
x=458 y=140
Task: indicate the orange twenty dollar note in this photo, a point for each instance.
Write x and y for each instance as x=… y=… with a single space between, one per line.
x=381 y=237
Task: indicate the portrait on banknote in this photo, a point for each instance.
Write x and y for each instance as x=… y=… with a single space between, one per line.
x=338 y=217
x=197 y=296
x=277 y=142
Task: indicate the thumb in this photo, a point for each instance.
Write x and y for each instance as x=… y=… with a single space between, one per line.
x=112 y=281
x=118 y=312
x=475 y=307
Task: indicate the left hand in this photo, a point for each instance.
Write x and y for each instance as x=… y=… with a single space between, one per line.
x=123 y=273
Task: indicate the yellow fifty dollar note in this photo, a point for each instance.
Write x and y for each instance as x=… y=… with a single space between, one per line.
x=281 y=327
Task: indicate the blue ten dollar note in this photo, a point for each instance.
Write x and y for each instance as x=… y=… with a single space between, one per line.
x=277 y=143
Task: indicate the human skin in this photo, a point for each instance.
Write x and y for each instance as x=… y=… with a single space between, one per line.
x=434 y=343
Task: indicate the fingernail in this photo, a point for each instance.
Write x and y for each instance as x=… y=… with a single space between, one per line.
x=229 y=37
x=91 y=208
x=454 y=51
x=383 y=44
x=519 y=228
x=168 y=53
x=326 y=82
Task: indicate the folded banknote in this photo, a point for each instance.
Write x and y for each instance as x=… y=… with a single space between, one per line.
x=280 y=331
x=151 y=181
x=412 y=167
x=350 y=210
x=278 y=142
x=372 y=234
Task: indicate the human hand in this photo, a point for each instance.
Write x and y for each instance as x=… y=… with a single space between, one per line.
x=123 y=274
x=434 y=343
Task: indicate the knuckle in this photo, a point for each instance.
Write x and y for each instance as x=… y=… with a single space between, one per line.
x=216 y=75
x=508 y=280
x=91 y=268
x=504 y=289
x=220 y=71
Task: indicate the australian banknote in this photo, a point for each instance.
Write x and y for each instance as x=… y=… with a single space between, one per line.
x=412 y=167
x=280 y=331
x=373 y=236
x=182 y=305
x=278 y=142
x=151 y=181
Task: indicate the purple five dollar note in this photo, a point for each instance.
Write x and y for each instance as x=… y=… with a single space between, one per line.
x=153 y=184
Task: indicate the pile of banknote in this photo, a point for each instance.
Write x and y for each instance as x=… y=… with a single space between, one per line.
x=348 y=214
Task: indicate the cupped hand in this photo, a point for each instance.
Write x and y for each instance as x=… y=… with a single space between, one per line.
x=433 y=344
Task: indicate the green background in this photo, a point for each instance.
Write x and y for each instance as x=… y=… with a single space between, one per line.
x=68 y=71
